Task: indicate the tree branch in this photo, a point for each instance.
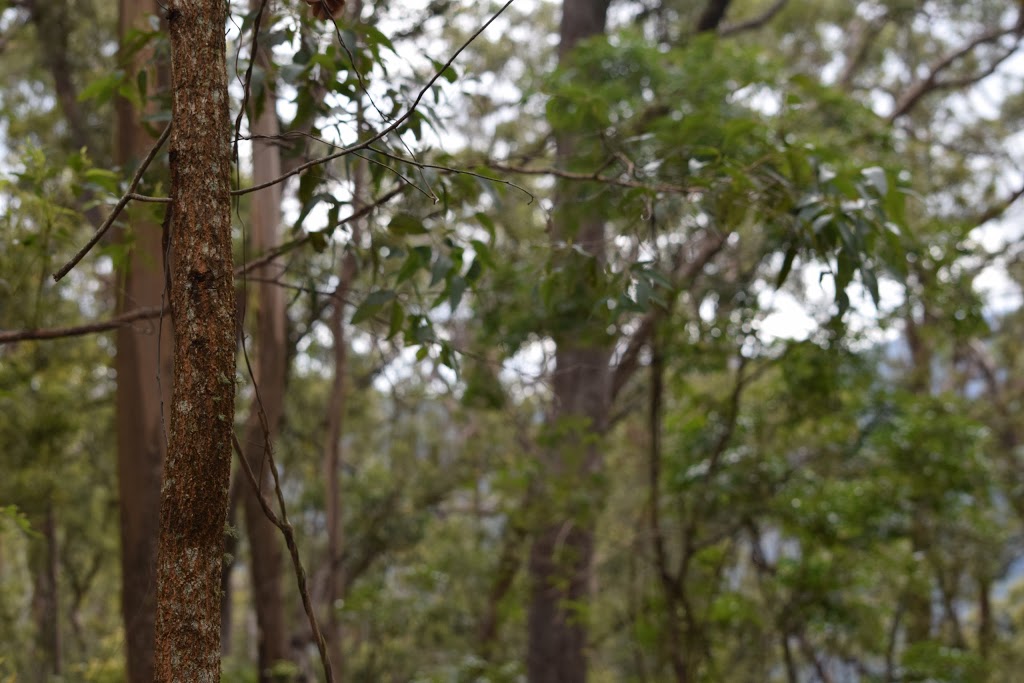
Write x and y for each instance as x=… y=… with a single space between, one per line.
x=753 y=23
x=712 y=16
x=630 y=359
x=593 y=177
x=931 y=83
x=384 y=132
x=123 y=202
x=285 y=526
x=12 y=336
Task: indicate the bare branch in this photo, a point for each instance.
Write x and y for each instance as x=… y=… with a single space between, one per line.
x=123 y=202
x=997 y=210
x=931 y=83
x=753 y=23
x=288 y=246
x=595 y=177
x=285 y=526
x=862 y=36
x=12 y=336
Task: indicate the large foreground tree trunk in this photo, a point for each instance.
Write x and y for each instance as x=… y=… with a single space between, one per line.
x=193 y=506
x=144 y=378
x=562 y=550
x=270 y=373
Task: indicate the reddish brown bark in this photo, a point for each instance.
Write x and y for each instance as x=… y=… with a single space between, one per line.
x=196 y=475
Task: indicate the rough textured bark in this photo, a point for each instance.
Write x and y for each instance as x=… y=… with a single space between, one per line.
x=144 y=377
x=270 y=374
x=196 y=475
x=561 y=553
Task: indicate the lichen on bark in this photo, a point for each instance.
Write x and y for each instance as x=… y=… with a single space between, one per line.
x=194 y=494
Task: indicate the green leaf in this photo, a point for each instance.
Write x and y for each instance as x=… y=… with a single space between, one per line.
x=414 y=260
x=787 y=266
x=108 y=180
x=103 y=88
x=318 y=240
x=456 y=288
x=396 y=320
x=876 y=178
x=406 y=224
x=372 y=305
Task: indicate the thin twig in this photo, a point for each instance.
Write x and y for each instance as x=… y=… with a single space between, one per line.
x=247 y=83
x=12 y=336
x=285 y=526
x=278 y=251
x=359 y=146
x=117 y=208
x=146 y=198
x=453 y=170
x=595 y=177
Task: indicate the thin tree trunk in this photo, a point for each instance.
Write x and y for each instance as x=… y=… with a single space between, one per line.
x=561 y=553
x=144 y=376
x=230 y=558
x=197 y=472
x=270 y=374
x=334 y=456
x=45 y=602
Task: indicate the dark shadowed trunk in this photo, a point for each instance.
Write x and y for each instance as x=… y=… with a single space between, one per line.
x=45 y=604
x=196 y=476
x=144 y=377
x=270 y=373
x=561 y=554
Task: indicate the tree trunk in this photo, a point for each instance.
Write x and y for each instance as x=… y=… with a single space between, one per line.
x=561 y=554
x=270 y=374
x=144 y=377
x=196 y=476
x=334 y=456
x=45 y=604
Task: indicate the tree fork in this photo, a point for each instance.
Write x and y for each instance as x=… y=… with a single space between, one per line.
x=196 y=475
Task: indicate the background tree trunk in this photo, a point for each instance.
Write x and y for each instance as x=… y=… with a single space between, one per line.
x=43 y=561
x=144 y=378
x=196 y=476
x=561 y=553
x=270 y=375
